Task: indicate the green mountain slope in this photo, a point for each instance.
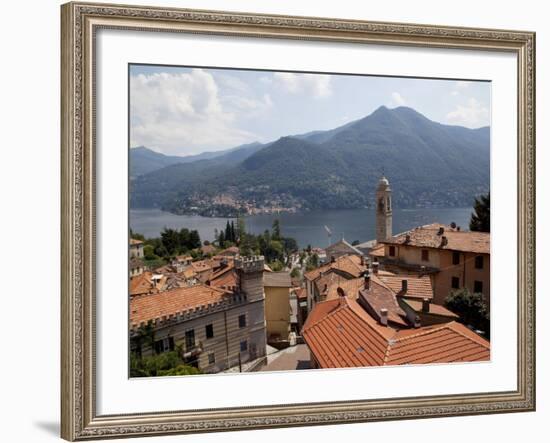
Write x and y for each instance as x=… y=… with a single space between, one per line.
x=428 y=164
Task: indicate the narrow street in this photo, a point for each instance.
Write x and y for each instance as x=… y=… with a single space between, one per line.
x=289 y=359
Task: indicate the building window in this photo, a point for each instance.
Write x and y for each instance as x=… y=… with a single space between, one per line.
x=478 y=287
x=425 y=255
x=211 y=359
x=244 y=346
x=479 y=262
x=190 y=339
x=209 y=331
x=392 y=251
x=164 y=345
x=242 y=321
x=455 y=282
x=456 y=258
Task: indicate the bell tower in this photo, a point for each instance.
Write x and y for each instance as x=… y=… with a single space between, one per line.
x=383 y=210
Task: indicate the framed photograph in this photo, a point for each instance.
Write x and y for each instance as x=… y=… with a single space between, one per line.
x=283 y=221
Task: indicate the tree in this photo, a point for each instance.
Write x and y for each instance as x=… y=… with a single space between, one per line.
x=481 y=217
x=312 y=262
x=233 y=233
x=295 y=273
x=136 y=236
x=276 y=229
x=194 y=240
x=227 y=231
x=170 y=239
x=471 y=309
x=241 y=229
x=149 y=253
x=167 y=363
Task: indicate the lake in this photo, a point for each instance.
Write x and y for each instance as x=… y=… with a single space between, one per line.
x=307 y=228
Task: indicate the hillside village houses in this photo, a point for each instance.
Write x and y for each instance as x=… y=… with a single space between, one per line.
x=378 y=303
x=215 y=328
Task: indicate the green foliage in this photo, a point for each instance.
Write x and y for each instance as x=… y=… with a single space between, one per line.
x=312 y=262
x=471 y=308
x=295 y=273
x=167 y=363
x=149 y=253
x=481 y=217
x=276 y=266
x=136 y=235
x=180 y=370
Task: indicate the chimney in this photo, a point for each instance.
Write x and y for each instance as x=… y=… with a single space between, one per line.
x=417 y=322
x=384 y=317
x=458 y=228
x=407 y=238
x=367 y=280
x=362 y=260
x=444 y=241
x=453 y=225
x=404 y=286
x=332 y=259
x=341 y=296
x=426 y=305
x=375 y=267
x=441 y=230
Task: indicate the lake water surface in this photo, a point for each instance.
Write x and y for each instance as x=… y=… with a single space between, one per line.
x=307 y=228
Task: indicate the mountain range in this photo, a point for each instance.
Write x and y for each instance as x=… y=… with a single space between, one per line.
x=429 y=164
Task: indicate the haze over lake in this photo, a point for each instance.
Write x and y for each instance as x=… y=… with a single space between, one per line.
x=307 y=227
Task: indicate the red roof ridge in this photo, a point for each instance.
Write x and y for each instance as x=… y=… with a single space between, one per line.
x=449 y=325
x=331 y=313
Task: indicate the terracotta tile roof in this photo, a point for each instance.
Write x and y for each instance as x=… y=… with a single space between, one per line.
x=189 y=272
x=328 y=280
x=149 y=307
x=231 y=251
x=418 y=286
x=351 y=288
x=277 y=279
x=143 y=284
x=377 y=251
x=300 y=293
x=350 y=264
x=340 y=333
x=341 y=247
x=208 y=249
x=429 y=236
x=136 y=242
x=446 y=343
x=434 y=309
x=379 y=297
x=201 y=266
x=224 y=278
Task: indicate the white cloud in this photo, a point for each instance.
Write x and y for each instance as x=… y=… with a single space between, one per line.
x=397 y=99
x=462 y=84
x=471 y=115
x=182 y=113
x=455 y=93
x=316 y=85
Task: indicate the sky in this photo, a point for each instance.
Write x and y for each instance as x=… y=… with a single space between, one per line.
x=186 y=111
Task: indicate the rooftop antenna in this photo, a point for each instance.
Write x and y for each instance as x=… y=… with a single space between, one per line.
x=329 y=234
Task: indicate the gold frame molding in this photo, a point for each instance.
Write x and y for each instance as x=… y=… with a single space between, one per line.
x=79 y=22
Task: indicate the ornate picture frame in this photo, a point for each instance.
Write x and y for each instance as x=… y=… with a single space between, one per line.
x=80 y=22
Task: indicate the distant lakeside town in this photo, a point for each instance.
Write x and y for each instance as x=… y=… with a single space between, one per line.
x=248 y=302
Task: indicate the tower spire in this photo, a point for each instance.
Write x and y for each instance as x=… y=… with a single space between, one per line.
x=383 y=210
